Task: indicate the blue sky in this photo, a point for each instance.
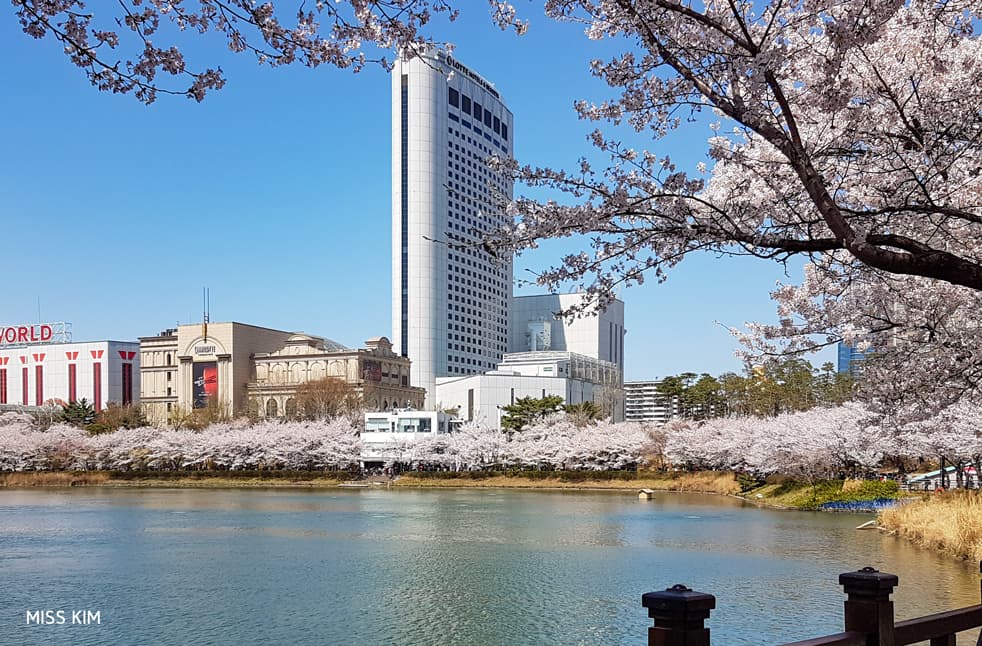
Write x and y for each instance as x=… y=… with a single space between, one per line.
x=275 y=193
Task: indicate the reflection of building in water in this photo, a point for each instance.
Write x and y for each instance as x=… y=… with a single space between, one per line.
x=245 y=369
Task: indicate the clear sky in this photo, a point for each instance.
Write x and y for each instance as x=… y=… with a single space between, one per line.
x=275 y=193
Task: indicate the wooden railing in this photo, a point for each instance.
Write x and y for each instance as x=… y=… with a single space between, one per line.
x=680 y=614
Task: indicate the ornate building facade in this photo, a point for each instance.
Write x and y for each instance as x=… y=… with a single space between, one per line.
x=255 y=371
x=378 y=375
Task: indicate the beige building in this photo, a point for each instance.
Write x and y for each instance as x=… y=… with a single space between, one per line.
x=379 y=375
x=249 y=369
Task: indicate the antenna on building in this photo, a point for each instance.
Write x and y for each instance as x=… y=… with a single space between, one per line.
x=206 y=306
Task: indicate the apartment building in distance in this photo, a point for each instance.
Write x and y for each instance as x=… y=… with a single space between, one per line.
x=643 y=403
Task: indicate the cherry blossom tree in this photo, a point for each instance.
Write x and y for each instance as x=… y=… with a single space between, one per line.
x=844 y=132
x=126 y=47
x=820 y=442
x=232 y=446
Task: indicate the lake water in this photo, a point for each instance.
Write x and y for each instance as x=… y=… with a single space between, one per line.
x=425 y=567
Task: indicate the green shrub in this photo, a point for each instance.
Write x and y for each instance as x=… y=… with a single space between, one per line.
x=98 y=429
x=748 y=481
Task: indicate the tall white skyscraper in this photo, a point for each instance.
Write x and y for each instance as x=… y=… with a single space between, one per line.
x=450 y=296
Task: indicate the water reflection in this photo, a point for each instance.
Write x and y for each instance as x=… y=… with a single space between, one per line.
x=434 y=567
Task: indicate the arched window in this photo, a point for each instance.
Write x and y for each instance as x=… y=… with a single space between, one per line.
x=385 y=406
x=271 y=408
x=167 y=358
x=291 y=408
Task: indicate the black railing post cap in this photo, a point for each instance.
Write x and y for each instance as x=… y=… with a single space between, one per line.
x=868 y=582
x=678 y=601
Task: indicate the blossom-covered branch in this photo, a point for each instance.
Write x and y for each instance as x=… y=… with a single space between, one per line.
x=330 y=33
x=853 y=126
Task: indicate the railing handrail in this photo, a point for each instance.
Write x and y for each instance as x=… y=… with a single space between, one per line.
x=680 y=613
x=940 y=624
x=839 y=639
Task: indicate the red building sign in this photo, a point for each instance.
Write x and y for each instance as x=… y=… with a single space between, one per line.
x=15 y=335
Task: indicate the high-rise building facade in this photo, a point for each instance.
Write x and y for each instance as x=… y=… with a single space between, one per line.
x=450 y=295
x=850 y=359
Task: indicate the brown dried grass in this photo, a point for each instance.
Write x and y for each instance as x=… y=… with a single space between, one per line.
x=950 y=522
x=702 y=482
x=851 y=485
x=53 y=478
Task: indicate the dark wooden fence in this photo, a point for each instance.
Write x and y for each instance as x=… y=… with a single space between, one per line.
x=680 y=616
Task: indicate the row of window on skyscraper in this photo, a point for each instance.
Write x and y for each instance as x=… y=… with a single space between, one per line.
x=480 y=114
x=476 y=295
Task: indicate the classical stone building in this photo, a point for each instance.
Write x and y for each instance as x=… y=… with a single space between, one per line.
x=379 y=375
x=250 y=370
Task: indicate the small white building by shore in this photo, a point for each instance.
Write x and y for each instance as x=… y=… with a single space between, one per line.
x=392 y=437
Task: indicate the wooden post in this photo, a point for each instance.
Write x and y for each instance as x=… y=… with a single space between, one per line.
x=868 y=608
x=679 y=614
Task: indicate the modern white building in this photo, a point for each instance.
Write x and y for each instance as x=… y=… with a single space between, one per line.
x=574 y=377
x=644 y=403
x=392 y=437
x=536 y=326
x=450 y=295
x=37 y=370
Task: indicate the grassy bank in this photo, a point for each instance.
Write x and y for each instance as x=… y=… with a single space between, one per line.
x=802 y=495
x=950 y=523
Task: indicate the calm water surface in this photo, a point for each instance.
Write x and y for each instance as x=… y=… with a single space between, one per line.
x=469 y=567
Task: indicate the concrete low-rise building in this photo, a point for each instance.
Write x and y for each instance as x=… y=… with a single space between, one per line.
x=43 y=374
x=574 y=377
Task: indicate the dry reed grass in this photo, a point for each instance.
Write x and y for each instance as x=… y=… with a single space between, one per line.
x=218 y=482
x=851 y=485
x=702 y=482
x=949 y=522
x=22 y=479
x=53 y=478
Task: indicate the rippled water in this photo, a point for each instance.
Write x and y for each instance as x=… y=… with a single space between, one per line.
x=432 y=567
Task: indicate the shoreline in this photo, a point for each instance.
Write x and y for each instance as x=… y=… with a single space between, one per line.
x=711 y=483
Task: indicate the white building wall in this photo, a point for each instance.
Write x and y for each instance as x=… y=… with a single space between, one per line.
x=108 y=357
x=479 y=398
x=446 y=288
x=600 y=336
